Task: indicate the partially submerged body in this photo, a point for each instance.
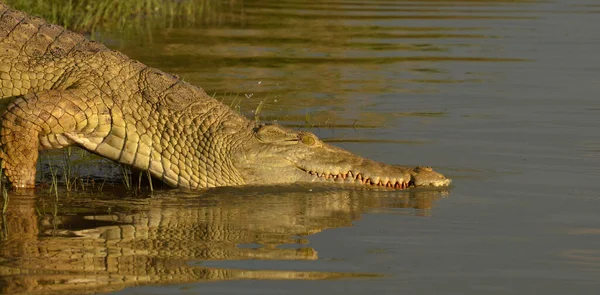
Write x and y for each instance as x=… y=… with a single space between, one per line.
x=67 y=90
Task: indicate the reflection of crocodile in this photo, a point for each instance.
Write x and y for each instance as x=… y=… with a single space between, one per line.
x=114 y=244
x=71 y=91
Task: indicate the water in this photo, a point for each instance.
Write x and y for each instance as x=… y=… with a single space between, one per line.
x=499 y=95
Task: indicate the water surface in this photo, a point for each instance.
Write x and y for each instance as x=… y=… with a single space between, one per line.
x=502 y=96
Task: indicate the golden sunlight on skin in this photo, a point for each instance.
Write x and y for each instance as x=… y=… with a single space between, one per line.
x=68 y=91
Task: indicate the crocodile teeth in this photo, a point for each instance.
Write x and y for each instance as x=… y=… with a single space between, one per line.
x=401 y=185
x=357 y=177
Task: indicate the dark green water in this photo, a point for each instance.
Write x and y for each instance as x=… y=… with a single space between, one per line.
x=502 y=96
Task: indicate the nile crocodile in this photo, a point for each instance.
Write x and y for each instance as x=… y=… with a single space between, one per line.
x=66 y=90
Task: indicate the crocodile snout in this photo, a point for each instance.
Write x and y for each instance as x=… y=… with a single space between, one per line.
x=426 y=176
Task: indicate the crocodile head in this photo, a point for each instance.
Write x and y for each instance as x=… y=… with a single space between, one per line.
x=274 y=154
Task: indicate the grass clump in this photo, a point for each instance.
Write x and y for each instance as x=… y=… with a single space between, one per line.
x=89 y=16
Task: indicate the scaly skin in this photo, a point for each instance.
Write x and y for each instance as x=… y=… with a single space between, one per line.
x=66 y=90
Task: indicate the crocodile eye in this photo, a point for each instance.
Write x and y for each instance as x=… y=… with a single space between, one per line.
x=307 y=139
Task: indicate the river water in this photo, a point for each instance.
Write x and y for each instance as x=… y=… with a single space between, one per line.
x=501 y=96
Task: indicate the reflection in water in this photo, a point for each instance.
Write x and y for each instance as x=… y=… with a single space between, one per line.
x=92 y=244
x=338 y=60
x=587 y=259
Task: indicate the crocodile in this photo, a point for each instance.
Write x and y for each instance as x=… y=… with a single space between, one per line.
x=65 y=90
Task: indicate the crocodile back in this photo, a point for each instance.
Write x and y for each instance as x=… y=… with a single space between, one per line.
x=30 y=36
x=34 y=54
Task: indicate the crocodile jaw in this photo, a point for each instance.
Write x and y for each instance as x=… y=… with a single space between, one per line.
x=277 y=155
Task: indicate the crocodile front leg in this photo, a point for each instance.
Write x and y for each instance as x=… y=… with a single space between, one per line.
x=19 y=152
x=44 y=120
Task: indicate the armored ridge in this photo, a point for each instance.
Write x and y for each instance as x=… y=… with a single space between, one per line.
x=67 y=90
